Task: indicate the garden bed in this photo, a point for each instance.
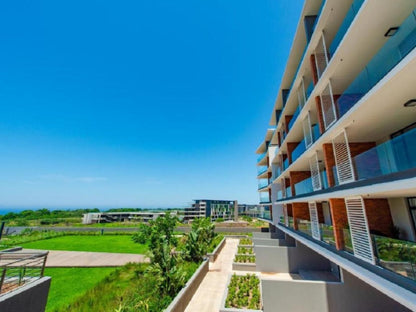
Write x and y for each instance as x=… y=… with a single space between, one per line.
x=245 y=250
x=246 y=242
x=242 y=294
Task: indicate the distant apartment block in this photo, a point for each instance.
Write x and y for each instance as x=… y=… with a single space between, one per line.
x=337 y=166
x=210 y=208
x=108 y=217
x=253 y=211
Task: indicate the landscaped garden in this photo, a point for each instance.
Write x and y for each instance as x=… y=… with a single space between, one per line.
x=244 y=292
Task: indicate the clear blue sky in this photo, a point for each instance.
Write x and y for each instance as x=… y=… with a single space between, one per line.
x=137 y=103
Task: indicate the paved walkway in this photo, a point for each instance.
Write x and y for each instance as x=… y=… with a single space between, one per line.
x=209 y=295
x=57 y=258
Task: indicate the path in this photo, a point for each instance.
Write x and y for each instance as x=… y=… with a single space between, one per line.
x=57 y=258
x=209 y=295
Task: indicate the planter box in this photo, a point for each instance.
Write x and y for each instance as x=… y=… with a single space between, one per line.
x=182 y=299
x=250 y=267
x=224 y=299
x=246 y=246
x=213 y=255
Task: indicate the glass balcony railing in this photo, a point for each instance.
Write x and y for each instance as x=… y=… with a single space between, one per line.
x=290 y=222
x=299 y=150
x=304 y=226
x=355 y=7
x=324 y=179
x=315 y=132
x=304 y=187
x=261 y=170
x=347 y=240
x=266 y=215
x=397 y=154
x=279 y=195
x=285 y=163
x=327 y=233
x=263 y=183
x=396 y=255
x=261 y=156
x=288 y=192
x=393 y=51
x=264 y=198
x=309 y=89
x=294 y=117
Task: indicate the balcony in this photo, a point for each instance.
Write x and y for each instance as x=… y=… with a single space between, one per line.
x=264 y=198
x=299 y=150
x=286 y=164
x=304 y=187
x=393 y=51
x=261 y=170
x=261 y=156
x=288 y=192
x=396 y=255
x=263 y=183
x=355 y=7
x=266 y=215
x=294 y=117
x=395 y=155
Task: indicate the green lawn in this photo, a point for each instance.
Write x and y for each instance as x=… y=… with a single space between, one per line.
x=100 y=243
x=68 y=284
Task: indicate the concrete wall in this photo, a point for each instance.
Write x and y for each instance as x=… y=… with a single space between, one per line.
x=282 y=259
x=355 y=295
x=28 y=298
x=249 y=267
x=181 y=301
x=261 y=235
x=294 y=296
x=213 y=255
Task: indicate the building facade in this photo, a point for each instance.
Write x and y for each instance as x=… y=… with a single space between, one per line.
x=210 y=208
x=337 y=167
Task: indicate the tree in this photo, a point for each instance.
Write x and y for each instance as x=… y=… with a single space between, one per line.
x=199 y=239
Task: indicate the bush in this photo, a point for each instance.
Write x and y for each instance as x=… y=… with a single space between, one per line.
x=244 y=292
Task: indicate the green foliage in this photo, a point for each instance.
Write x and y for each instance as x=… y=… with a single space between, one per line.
x=244 y=259
x=219 y=220
x=245 y=251
x=246 y=241
x=42 y=214
x=247 y=218
x=199 y=239
x=143 y=234
x=244 y=292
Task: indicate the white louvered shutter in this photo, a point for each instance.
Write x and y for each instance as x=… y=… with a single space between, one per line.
x=307 y=130
x=360 y=233
x=315 y=173
x=343 y=160
x=328 y=106
x=313 y=213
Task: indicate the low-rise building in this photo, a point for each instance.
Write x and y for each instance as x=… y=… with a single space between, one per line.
x=108 y=217
x=210 y=208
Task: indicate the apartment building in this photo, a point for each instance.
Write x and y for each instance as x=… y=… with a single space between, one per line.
x=210 y=208
x=337 y=166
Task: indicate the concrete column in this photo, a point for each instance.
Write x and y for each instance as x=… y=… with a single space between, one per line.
x=339 y=220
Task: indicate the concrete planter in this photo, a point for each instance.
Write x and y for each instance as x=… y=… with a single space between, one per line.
x=213 y=255
x=182 y=299
x=246 y=246
x=224 y=298
x=31 y=297
x=250 y=267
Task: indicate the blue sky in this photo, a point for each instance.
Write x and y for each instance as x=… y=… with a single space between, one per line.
x=137 y=103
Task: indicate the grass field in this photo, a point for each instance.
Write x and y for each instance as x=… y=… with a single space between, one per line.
x=98 y=243
x=68 y=284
